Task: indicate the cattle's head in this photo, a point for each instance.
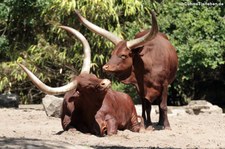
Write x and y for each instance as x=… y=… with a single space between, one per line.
x=121 y=58
x=72 y=85
x=91 y=86
x=120 y=61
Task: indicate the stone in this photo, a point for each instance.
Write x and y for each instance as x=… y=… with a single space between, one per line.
x=9 y=100
x=52 y=105
x=214 y=109
x=202 y=106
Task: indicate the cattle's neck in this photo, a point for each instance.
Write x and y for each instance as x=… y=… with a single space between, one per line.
x=95 y=104
x=135 y=75
x=124 y=75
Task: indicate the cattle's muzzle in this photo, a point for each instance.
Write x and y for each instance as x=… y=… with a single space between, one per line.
x=105 y=67
x=109 y=68
x=105 y=83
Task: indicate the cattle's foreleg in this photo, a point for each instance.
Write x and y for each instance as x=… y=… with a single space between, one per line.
x=111 y=126
x=65 y=121
x=102 y=131
x=148 y=112
x=163 y=118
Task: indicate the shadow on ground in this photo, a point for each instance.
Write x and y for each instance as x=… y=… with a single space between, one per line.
x=27 y=143
x=121 y=147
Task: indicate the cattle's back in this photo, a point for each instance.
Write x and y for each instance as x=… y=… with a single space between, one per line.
x=118 y=105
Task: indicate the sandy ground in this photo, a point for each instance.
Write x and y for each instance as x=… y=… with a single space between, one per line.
x=29 y=127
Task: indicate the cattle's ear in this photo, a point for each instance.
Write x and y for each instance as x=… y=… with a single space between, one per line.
x=137 y=50
x=74 y=96
x=71 y=99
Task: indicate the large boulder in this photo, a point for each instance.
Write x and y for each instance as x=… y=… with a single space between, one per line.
x=52 y=105
x=9 y=100
x=202 y=106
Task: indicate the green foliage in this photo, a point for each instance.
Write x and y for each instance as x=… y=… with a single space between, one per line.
x=4 y=46
x=29 y=34
x=129 y=89
x=198 y=34
x=29 y=31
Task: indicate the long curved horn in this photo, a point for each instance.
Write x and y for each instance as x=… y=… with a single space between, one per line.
x=72 y=85
x=98 y=30
x=150 y=35
x=45 y=88
x=87 y=52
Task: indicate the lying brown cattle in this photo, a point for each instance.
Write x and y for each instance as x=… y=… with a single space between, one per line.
x=95 y=108
x=90 y=105
x=149 y=62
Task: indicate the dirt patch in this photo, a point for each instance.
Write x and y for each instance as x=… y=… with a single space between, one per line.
x=29 y=127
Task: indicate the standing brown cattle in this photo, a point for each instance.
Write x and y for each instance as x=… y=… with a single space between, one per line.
x=95 y=108
x=149 y=62
x=89 y=104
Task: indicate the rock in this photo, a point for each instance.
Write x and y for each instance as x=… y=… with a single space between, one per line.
x=9 y=100
x=202 y=106
x=213 y=109
x=52 y=105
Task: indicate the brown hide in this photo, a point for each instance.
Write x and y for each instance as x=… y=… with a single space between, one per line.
x=96 y=109
x=151 y=66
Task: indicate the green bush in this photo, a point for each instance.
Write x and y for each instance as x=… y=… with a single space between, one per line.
x=198 y=34
x=129 y=89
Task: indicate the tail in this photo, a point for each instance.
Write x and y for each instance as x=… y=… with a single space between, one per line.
x=137 y=123
x=141 y=122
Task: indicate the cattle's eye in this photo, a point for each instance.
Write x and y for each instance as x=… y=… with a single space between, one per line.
x=123 y=56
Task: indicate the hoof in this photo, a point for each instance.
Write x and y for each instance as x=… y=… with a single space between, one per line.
x=150 y=128
x=167 y=128
x=142 y=130
x=72 y=130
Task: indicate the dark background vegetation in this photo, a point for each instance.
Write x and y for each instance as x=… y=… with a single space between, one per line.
x=29 y=34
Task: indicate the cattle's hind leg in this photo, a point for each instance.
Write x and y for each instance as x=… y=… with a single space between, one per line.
x=143 y=100
x=163 y=118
